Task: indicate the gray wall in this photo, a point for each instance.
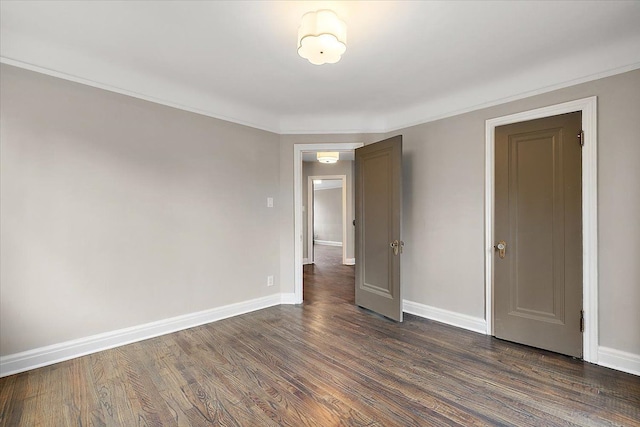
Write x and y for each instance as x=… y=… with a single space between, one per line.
x=443 y=213
x=443 y=263
x=327 y=214
x=117 y=212
x=342 y=167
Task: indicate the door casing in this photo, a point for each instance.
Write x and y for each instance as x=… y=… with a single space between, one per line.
x=588 y=107
x=298 y=149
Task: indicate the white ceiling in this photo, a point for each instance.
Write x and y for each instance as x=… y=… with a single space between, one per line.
x=327 y=184
x=308 y=156
x=406 y=62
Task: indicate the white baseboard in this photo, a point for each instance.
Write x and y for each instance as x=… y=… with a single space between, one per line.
x=350 y=261
x=619 y=360
x=287 y=298
x=327 y=243
x=305 y=261
x=464 y=321
x=607 y=357
x=43 y=356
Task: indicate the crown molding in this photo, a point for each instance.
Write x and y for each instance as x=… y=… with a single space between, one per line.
x=426 y=118
x=269 y=127
x=460 y=103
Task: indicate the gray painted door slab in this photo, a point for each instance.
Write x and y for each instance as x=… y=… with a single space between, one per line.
x=378 y=226
x=538 y=216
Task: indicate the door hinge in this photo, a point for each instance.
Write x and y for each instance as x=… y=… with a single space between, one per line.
x=581 y=138
x=581 y=320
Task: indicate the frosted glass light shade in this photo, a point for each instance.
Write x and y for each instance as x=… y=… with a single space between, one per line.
x=322 y=37
x=328 y=157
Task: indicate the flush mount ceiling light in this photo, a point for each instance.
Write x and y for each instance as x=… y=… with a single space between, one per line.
x=328 y=157
x=322 y=37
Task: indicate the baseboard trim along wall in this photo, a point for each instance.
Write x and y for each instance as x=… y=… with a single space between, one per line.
x=350 y=261
x=43 y=356
x=607 y=357
x=287 y=298
x=327 y=243
x=464 y=321
x=619 y=360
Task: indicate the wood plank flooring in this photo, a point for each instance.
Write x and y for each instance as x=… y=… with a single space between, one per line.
x=324 y=363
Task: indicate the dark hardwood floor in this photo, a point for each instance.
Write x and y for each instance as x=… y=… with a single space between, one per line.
x=324 y=363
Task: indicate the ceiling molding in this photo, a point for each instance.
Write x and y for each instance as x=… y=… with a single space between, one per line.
x=345 y=124
x=441 y=58
x=570 y=71
x=104 y=86
x=523 y=95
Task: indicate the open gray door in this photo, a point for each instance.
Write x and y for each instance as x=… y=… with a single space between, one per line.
x=378 y=221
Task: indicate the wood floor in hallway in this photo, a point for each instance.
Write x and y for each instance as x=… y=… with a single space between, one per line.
x=323 y=363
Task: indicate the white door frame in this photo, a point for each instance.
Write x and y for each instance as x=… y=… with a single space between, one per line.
x=298 y=149
x=310 y=214
x=588 y=107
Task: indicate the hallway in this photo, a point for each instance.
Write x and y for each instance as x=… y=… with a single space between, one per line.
x=328 y=281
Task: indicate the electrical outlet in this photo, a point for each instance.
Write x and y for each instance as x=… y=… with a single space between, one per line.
x=269 y=280
x=269 y=202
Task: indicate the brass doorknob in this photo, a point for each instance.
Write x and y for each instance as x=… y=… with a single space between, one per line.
x=397 y=246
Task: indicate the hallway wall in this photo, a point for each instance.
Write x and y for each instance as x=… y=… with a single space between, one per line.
x=327 y=215
x=342 y=167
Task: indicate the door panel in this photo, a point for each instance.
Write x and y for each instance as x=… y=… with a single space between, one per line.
x=538 y=283
x=378 y=217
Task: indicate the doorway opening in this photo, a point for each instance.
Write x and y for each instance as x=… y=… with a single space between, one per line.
x=328 y=282
x=327 y=219
x=299 y=151
x=587 y=107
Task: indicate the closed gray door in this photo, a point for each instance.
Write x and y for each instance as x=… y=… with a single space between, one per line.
x=538 y=234
x=378 y=217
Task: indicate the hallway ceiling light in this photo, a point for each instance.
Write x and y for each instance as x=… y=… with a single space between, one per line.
x=322 y=37
x=328 y=157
